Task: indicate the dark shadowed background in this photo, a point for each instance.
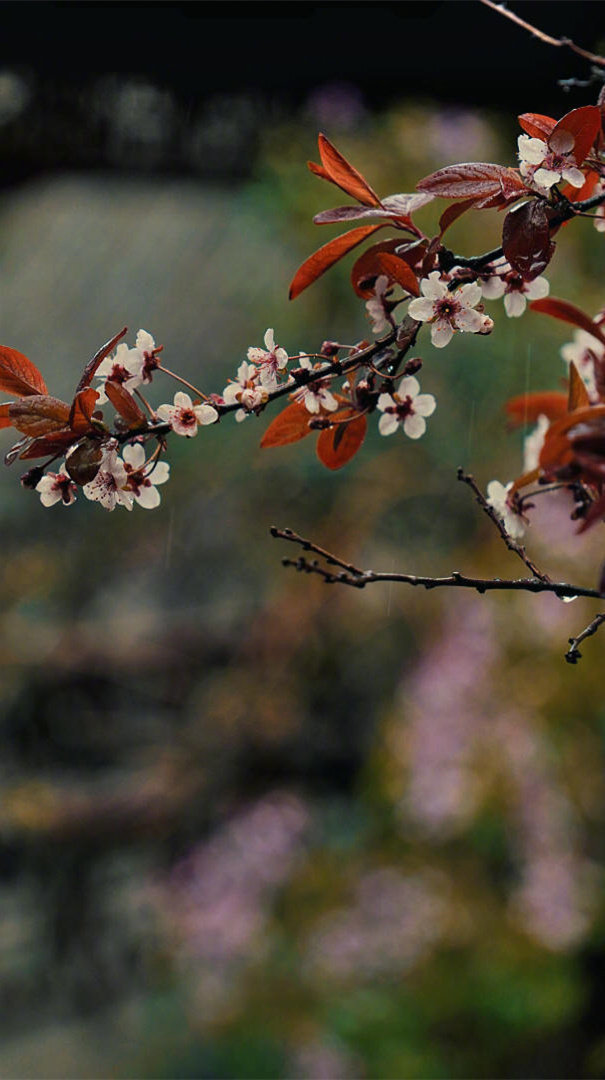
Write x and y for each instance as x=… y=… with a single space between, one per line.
x=251 y=826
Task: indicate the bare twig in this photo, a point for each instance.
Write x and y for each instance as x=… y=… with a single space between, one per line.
x=573 y=654
x=558 y=42
x=358 y=578
x=511 y=544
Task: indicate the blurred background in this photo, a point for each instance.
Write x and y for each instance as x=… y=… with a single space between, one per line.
x=252 y=826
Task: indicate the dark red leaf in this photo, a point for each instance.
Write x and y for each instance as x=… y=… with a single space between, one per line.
x=367 y=267
x=336 y=446
x=5 y=419
x=39 y=414
x=289 y=426
x=475 y=180
x=82 y=408
x=526 y=239
x=341 y=172
x=569 y=313
x=83 y=463
x=399 y=271
x=536 y=125
x=395 y=207
x=452 y=213
x=578 y=394
x=18 y=375
x=124 y=403
x=326 y=256
x=98 y=359
x=583 y=125
x=46 y=445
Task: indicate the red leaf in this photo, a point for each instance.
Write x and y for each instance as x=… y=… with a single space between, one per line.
x=84 y=461
x=341 y=172
x=18 y=375
x=569 y=313
x=5 y=420
x=124 y=403
x=98 y=359
x=526 y=408
x=526 y=239
x=557 y=449
x=475 y=180
x=578 y=394
x=289 y=426
x=39 y=415
x=56 y=443
x=82 y=408
x=326 y=256
x=536 y=125
x=399 y=271
x=336 y=446
x=583 y=125
x=395 y=207
x=452 y=213
x=367 y=267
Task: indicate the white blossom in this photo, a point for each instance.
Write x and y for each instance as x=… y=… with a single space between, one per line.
x=585 y=352
x=57 y=487
x=448 y=311
x=533 y=443
x=125 y=368
x=315 y=396
x=109 y=485
x=271 y=360
x=375 y=306
x=545 y=164
x=144 y=477
x=515 y=290
x=245 y=390
x=498 y=499
x=407 y=407
x=184 y=417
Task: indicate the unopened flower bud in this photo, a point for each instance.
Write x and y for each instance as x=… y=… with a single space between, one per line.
x=330 y=348
x=412 y=365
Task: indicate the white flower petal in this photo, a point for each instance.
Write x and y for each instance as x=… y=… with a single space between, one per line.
x=148 y=497
x=270 y=340
x=537 y=289
x=408 y=387
x=493 y=288
x=206 y=414
x=574 y=176
x=182 y=400
x=388 y=424
x=421 y=310
x=425 y=405
x=469 y=294
x=134 y=455
x=533 y=151
x=545 y=178
x=561 y=141
x=432 y=287
x=441 y=334
x=468 y=321
x=514 y=304
x=385 y=401
x=414 y=426
x=160 y=473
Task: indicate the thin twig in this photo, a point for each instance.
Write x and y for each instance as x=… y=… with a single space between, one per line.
x=573 y=654
x=511 y=544
x=558 y=42
x=358 y=578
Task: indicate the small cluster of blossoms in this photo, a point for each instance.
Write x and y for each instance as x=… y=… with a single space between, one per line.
x=256 y=377
x=120 y=481
x=514 y=288
x=127 y=476
x=546 y=164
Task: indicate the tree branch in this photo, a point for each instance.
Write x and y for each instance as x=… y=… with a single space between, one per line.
x=511 y=544
x=573 y=654
x=558 y=42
